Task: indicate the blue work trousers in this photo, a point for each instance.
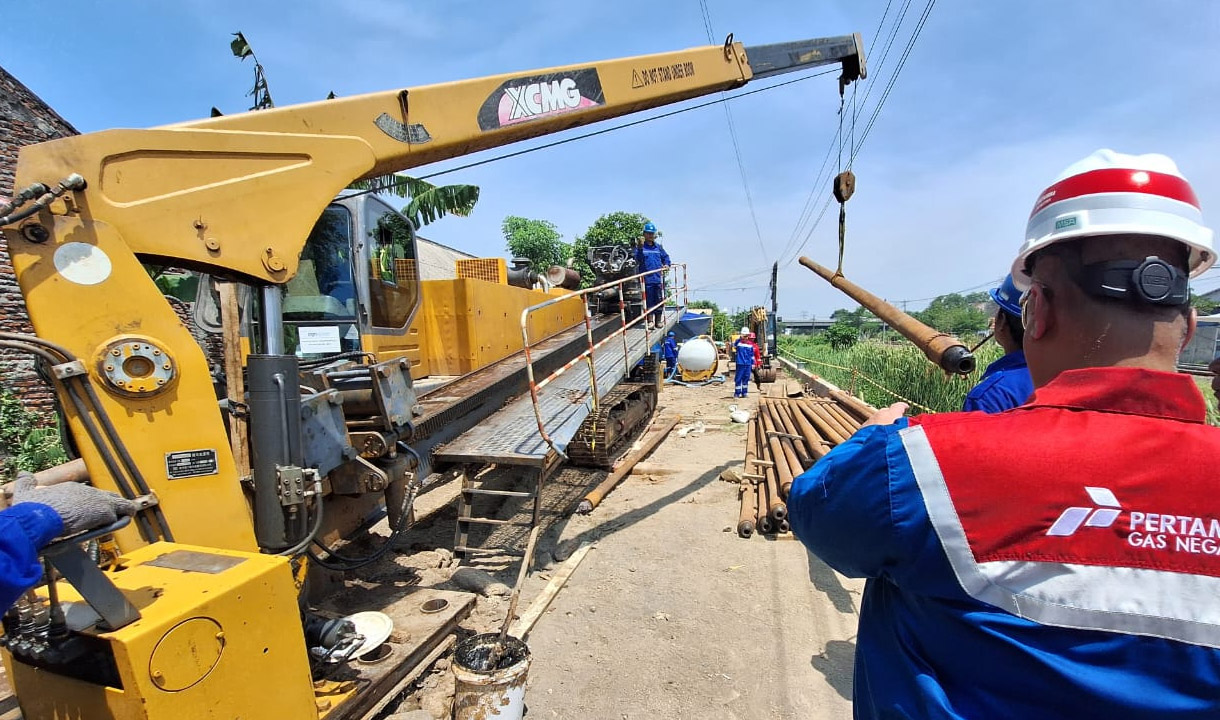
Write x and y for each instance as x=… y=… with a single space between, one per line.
x=742 y=384
x=654 y=294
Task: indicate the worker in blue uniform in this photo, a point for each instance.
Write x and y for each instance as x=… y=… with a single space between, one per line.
x=746 y=356
x=669 y=353
x=1005 y=383
x=649 y=257
x=1060 y=559
x=39 y=515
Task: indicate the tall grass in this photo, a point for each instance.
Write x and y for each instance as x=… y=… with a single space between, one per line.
x=900 y=368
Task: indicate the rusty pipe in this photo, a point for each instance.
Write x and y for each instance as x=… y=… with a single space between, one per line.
x=824 y=426
x=857 y=407
x=765 y=526
x=845 y=418
x=818 y=446
x=71 y=471
x=836 y=421
x=751 y=445
x=777 y=509
x=798 y=446
x=747 y=513
x=945 y=351
x=795 y=467
x=782 y=526
x=779 y=473
x=648 y=444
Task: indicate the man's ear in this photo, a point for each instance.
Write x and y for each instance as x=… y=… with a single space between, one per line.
x=1192 y=324
x=1040 y=315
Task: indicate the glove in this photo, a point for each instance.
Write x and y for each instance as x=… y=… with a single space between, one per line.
x=81 y=507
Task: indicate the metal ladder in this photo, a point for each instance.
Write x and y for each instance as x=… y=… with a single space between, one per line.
x=472 y=489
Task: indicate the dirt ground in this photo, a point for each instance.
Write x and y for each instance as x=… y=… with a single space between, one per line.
x=671 y=614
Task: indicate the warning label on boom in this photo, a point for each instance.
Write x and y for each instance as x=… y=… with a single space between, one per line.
x=190 y=463
x=661 y=74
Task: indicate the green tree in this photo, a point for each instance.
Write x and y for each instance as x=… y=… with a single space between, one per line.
x=1202 y=304
x=616 y=228
x=739 y=319
x=721 y=327
x=956 y=314
x=839 y=336
x=537 y=240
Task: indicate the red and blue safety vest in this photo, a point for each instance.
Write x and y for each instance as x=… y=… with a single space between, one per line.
x=1061 y=559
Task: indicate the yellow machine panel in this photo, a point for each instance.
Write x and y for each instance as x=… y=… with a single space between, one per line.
x=219 y=637
x=469 y=324
x=490 y=269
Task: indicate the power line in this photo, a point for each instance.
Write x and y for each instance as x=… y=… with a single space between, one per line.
x=880 y=103
x=923 y=19
x=819 y=181
x=728 y=116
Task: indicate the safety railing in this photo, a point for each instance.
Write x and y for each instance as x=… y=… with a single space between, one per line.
x=674 y=280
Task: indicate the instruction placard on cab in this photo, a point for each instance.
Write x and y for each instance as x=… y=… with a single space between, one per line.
x=321 y=339
x=190 y=463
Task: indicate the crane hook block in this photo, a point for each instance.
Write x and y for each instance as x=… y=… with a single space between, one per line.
x=844 y=186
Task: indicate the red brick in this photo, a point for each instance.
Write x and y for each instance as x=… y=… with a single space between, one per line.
x=24 y=120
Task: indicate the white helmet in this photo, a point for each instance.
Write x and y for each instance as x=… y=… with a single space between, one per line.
x=745 y=331
x=1110 y=193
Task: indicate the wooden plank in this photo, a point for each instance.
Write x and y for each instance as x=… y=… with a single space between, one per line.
x=526 y=622
x=235 y=390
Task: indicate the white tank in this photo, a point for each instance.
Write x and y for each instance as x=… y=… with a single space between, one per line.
x=697 y=354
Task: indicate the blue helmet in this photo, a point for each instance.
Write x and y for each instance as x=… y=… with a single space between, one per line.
x=650 y=228
x=670 y=334
x=1007 y=296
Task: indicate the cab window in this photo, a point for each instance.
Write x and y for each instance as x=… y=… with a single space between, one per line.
x=323 y=288
x=393 y=275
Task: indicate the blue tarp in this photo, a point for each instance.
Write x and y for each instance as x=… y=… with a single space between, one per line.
x=692 y=325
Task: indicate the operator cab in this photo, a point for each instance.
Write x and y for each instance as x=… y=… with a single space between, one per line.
x=358 y=276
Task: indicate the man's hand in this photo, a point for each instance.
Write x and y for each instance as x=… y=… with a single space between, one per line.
x=81 y=507
x=887 y=416
x=1214 y=369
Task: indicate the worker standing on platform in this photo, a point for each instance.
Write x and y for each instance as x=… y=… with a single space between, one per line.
x=1005 y=383
x=669 y=353
x=746 y=356
x=1059 y=559
x=650 y=256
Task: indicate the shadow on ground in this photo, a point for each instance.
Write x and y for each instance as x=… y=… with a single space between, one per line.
x=827 y=581
x=837 y=662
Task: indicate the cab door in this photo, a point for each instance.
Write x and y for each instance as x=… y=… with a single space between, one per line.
x=388 y=281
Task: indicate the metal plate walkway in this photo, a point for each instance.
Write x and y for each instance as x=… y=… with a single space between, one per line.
x=511 y=437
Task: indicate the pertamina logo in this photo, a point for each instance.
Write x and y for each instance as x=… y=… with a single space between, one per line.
x=1072 y=518
x=539 y=96
x=1149 y=530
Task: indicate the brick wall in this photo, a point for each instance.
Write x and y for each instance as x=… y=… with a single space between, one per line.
x=24 y=120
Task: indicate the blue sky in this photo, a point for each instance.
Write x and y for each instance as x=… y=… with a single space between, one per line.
x=995 y=99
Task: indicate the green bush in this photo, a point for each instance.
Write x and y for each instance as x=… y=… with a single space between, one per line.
x=28 y=441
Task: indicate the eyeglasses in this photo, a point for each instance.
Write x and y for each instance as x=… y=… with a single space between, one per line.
x=1026 y=312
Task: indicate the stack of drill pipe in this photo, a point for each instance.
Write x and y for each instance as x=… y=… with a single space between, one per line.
x=847 y=422
x=784 y=438
x=855 y=407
